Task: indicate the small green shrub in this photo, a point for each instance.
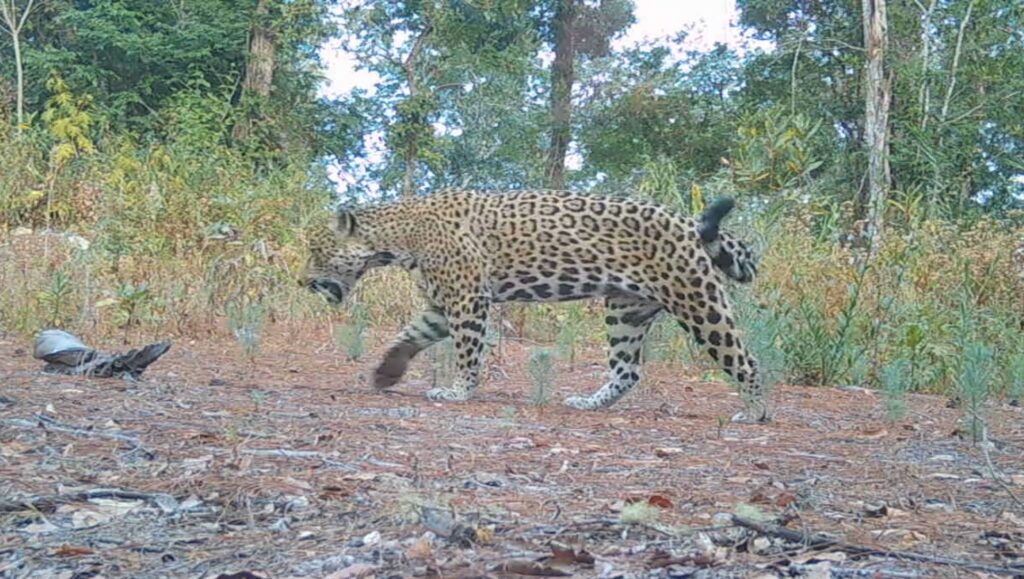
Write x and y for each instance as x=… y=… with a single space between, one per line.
x=896 y=381
x=541 y=370
x=442 y=364
x=1015 y=376
x=639 y=513
x=973 y=386
x=245 y=321
x=55 y=300
x=351 y=336
x=571 y=331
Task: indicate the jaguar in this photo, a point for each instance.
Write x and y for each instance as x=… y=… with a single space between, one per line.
x=471 y=249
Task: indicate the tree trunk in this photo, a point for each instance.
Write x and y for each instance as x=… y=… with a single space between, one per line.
x=259 y=70
x=21 y=80
x=876 y=118
x=562 y=79
x=14 y=23
x=411 y=150
x=259 y=67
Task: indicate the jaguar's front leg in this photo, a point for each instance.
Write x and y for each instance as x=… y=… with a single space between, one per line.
x=467 y=323
x=428 y=328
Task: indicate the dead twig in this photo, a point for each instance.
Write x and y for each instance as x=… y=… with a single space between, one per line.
x=312 y=454
x=49 y=503
x=47 y=423
x=815 y=541
x=995 y=474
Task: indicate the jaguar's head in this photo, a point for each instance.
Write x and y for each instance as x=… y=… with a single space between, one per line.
x=338 y=257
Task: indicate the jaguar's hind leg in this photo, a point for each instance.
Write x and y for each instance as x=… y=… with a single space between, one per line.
x=628 y=320
x=706 y=314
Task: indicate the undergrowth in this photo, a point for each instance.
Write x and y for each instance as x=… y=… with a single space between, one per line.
x=184 y=238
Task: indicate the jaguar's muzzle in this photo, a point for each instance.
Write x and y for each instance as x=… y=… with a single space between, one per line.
x=332 y=291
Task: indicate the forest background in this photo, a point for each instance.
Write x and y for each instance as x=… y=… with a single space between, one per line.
x=162 y=159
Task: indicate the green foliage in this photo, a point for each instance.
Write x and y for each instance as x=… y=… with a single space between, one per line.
x=541 y=371
x=774 y=151
x=896 y=382
x=764 y=327
x=55 y=299
x=351 y=336
x=660 y=111
x=973 y=386
x=245 y=320
x=133 y=304
x=1015 y=375
x=639 y=513
x=69 y=121
x=442 y=364
x=571 y=323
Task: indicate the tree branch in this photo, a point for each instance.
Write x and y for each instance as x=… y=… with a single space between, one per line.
x=24 y=15
x=956 y=62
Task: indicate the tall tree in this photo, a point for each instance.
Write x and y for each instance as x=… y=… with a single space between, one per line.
x=259 y=67
x=562 y=78
x=877 y=95
x=577 y=28
x=429 y=56
x=13 y=21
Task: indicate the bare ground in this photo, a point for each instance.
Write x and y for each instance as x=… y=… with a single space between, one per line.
x=292 y=466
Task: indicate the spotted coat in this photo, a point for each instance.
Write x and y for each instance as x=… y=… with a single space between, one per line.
x=471 y=249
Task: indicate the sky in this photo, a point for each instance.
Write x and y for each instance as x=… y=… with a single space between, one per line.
x=711 y=21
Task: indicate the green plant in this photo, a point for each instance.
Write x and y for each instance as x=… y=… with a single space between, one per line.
x=246 y=323
x=351 y=336
x=973 y=386
x=132 y=304
x=258 y=397
x=896 y=381
x=56 y=297
x=1015 y=375
x=764 y=326
x=570 y=332
x=541 y=370
x=509 y=416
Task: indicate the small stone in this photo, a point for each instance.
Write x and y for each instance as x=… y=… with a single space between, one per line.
x=760 y=545
x=371 y=539
x=721 y=520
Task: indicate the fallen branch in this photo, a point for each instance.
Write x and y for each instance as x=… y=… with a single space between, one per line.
x=47 y=423
x=312 y=454
x=995 y=474
x=816 y=541
x=49 y=503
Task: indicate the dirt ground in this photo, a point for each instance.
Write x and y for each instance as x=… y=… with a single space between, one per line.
x=293 y=467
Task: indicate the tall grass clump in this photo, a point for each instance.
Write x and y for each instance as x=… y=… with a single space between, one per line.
x=845 y=317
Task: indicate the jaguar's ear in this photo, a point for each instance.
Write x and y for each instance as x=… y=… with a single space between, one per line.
x=345 y=225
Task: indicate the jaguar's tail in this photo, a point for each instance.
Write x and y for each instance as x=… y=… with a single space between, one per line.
x=728 y=253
